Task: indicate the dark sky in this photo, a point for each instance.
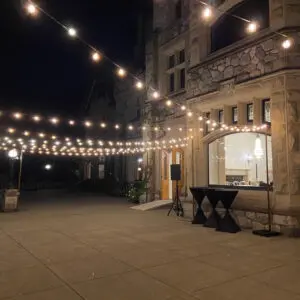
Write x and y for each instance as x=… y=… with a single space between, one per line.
x=43 y=69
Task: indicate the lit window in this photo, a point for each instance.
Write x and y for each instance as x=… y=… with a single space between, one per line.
x=266 y=111
x=221 y=116
x=240 y=159
x=234 y=115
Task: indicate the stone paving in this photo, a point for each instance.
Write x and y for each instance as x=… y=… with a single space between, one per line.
x=75 y=247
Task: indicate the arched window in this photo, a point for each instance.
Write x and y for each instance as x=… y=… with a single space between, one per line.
x=228 y=29
x=241 y=159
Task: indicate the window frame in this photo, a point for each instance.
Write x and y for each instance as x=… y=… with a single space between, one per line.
x=235 y=108
x=249 y=120
x=264 y=119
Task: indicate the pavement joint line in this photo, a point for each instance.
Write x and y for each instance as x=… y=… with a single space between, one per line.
x=49 y=269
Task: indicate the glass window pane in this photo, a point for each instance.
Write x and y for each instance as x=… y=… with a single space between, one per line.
x=182 y=78
x=241 y=159
x=221 y=116
x=182 y=56
x=234 y=114
x=250 y=112
x=267 y=111
x=172 y=82
x=171 y=61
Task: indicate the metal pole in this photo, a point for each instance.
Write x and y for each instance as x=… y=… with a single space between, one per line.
x=20 y=171
x=147 y=168
x=268 y=185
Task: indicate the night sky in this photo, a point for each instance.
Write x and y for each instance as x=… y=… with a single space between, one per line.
x=43 y=69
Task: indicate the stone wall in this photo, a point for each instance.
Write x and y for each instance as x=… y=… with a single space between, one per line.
x=242 y=64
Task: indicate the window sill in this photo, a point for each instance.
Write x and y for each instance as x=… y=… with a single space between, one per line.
x=177 y=93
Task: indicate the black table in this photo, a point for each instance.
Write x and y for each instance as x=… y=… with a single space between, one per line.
x=214 y=220
x=199 y=195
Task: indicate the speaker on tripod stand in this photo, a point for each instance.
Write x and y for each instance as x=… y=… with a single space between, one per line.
x=177 y=205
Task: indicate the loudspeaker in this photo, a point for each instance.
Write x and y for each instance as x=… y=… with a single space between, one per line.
x=175 y=172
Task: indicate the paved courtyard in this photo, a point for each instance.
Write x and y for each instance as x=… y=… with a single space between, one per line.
x=74 y=247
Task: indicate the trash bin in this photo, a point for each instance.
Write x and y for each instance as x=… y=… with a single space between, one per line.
x=9 y=200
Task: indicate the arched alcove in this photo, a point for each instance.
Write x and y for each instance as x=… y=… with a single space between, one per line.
x=227 y=29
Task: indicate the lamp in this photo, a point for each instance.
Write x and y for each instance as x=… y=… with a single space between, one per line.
x=258 y=150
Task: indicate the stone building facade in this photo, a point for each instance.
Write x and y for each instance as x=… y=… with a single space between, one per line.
x=251 y=82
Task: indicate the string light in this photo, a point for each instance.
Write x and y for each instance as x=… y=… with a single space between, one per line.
x=207 y=13
x=54 y=121
x=88 y=124
x=183 y=107
x=36 y=118
x=130 y=127
x=71 y=123
x=286 y=44
x=11 y=130
x=139 y=85
x=252 y=27
x=189 y=114
x=17 y=116
x=121 y=72
x=103 y=125
x=96 y=57
x=155 y=95
x=117 y=126
x=72 y=32
x=31 y=9
x=169 y=103
x=200 y=118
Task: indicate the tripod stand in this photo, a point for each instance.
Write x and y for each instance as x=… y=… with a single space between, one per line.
x=177 y=205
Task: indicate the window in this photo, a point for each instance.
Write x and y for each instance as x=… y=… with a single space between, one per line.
x=171 y=61
x=181 y=56
x=250 y=112
x=182 y=78
x=266 y=111
x=241 y=159
x=178 y=9
x=221 y=116
x=165 y=175
x=234 y=115
x=172 y=83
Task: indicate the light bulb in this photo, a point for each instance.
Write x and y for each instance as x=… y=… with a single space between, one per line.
x=169 y=103
x=88 y=124
x=31 y=9
x=117 y=126
x=207 y=13
x=155 y=95
x=36 y=118
x=252 y=27
x=139 y=85
x=189 y=114
x=54 y=121
x=103 y=125
x=183 y=107
x=121 y=72
x=96 y=57
x=71 y=122
x=72 y=32
x=286 y=44
x=200 y=118
x=17 y=115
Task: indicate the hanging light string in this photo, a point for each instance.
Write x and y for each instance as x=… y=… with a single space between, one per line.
x=54 y=140
x=207 y=13
x=252 y=27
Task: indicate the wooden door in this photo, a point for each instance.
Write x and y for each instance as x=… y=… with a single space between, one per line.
x=165 y=174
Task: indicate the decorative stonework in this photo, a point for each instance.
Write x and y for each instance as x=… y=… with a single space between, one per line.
x=258 y=60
